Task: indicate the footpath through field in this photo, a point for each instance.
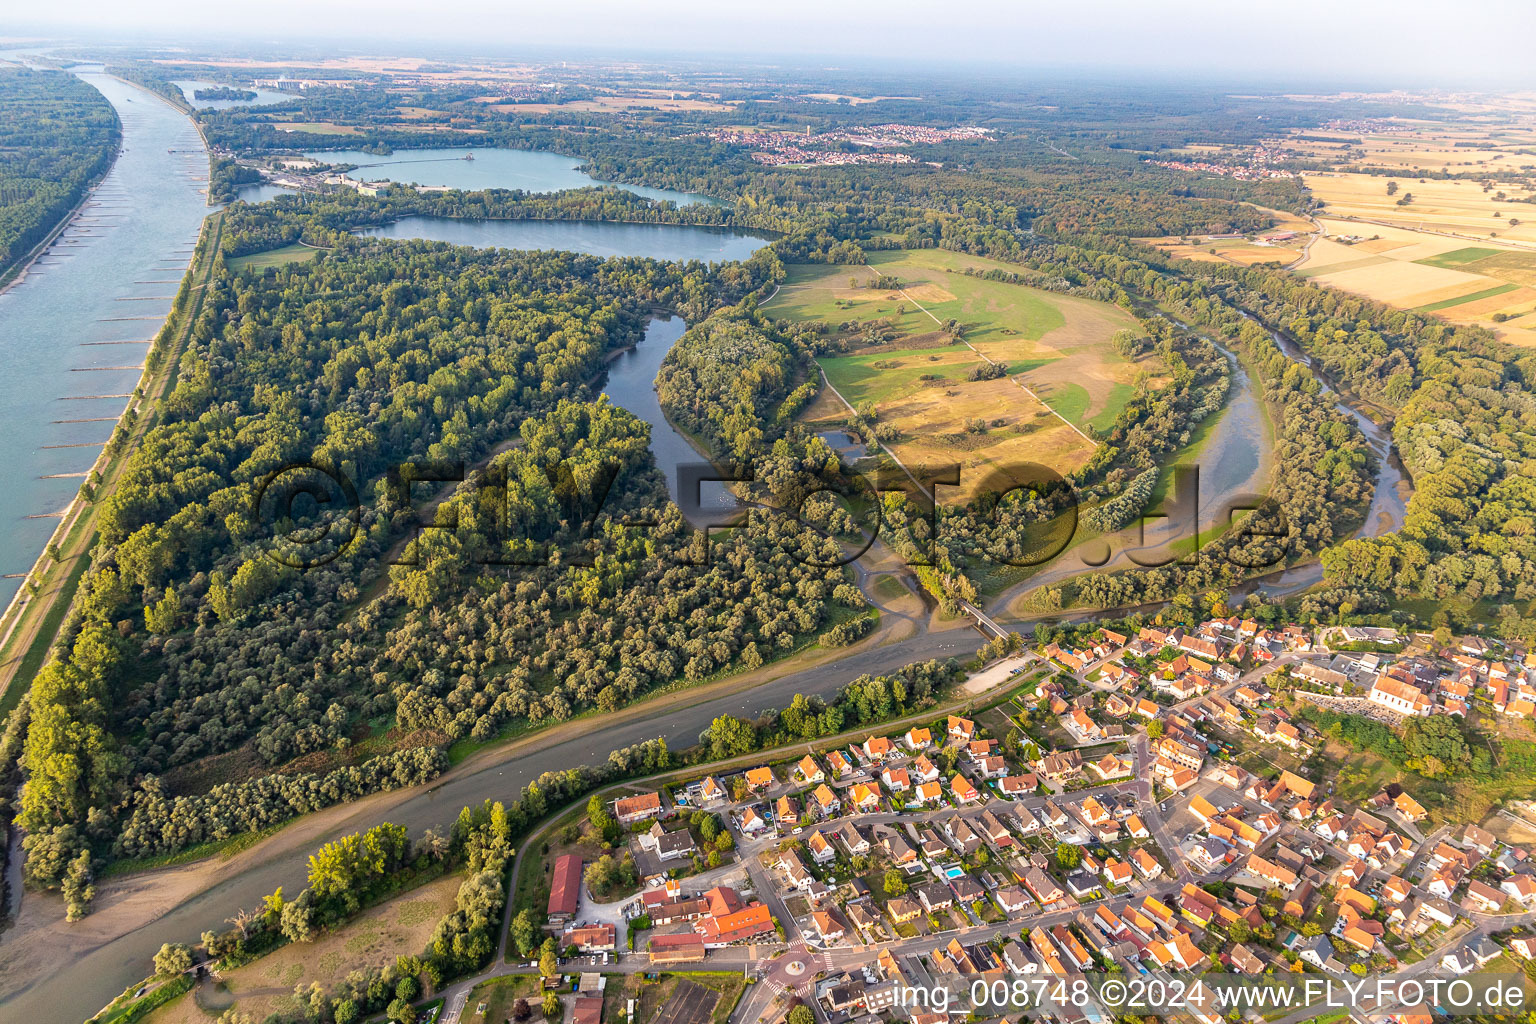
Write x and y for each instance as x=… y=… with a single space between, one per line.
x=1026 y=388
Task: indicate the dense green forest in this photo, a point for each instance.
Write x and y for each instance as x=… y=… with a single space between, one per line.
x=57 y=136
x=568 y=586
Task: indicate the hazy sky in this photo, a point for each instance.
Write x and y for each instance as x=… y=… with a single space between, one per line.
x=1401 y=42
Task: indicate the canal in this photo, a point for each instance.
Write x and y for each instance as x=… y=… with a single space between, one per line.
x=78 y=323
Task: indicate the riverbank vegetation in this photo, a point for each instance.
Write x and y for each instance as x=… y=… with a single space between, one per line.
x=58 y=135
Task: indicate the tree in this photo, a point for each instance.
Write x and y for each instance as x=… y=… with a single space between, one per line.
x=801 y=1015
x=521 y=1010
x=895 y=884
x=549 y=963
x=602 y=820
x=551 y=1005
x=77 y=887
x=729 y=736
x=524 y=932
x=174 y=958
x=1068 y=856
x=401 y=1012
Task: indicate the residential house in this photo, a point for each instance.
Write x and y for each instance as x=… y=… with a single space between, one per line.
x=878 y=748
x=595 y=938
x=1018 y=785
x=752 y=822
x=960 y=730
x=630 y=809
x=1484 y=897
x=730 y=919
x=809 y=771
x=964 y=792
x=1043 y=886
x=865 y=797
x=1061 y=764
x=935 y=896
x=1521 y=888
x=1145 y=864
x=676 y=844
x=927 y=793
x=712 y=792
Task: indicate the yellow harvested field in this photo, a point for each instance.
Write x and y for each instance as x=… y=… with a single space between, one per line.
x=1021 y=430
x=1402 y=283
x=1457 y=207
x=1414 y=269
x=1519 y=299
x=1243 y=254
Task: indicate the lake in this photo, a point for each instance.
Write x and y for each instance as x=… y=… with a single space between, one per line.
x=264 y=97
x=680 y=242
x=524 y=169
x=261 y=193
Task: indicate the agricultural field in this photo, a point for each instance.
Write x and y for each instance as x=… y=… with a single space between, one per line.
x=1471 y=210
x=375 y=938
x=1459 y=147
x=1450 y=277
x=1063 y=376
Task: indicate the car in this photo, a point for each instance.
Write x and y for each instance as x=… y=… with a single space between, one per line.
x=797 y=830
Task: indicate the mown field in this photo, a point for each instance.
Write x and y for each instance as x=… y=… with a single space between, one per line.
x=298 y=252
x=265 y=986
x=1063 y=376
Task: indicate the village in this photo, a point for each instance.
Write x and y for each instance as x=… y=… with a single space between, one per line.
x=832 y=148
x=1128 y=842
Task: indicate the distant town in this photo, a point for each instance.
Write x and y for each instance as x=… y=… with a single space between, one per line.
x=775 y=148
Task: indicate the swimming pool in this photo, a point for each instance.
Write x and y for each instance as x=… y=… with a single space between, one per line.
x=953 y=871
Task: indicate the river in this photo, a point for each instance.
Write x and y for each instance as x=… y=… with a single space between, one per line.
x=1389 y=501
x=1234 y=461
x=526 y=169
x=107 y=279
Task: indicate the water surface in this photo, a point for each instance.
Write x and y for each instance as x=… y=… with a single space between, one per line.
x=672 y=242
x=631 y=385
x=109 y=277
x=264 y=97
x=525 y=169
